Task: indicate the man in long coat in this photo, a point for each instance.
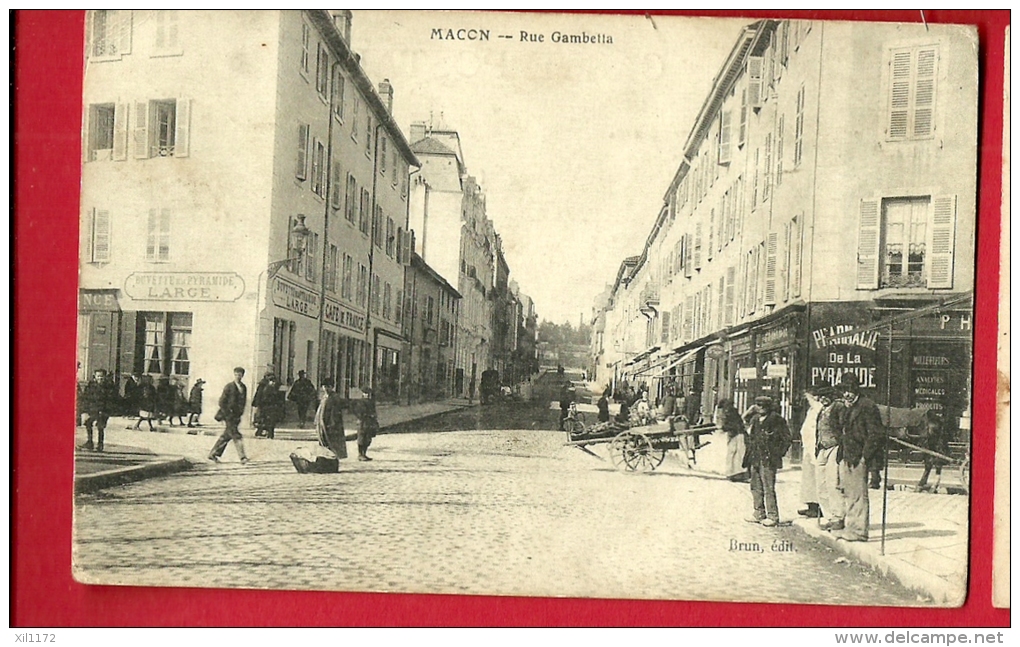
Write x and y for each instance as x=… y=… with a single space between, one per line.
x=768 y=439
x=99 y=400
x=329 y=420
x=232 y=403
x=863 y=436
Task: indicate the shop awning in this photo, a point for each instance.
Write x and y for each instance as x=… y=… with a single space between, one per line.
x=686 y=357
x=659 y=361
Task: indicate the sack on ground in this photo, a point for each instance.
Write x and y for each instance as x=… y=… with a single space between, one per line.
x=315 y=460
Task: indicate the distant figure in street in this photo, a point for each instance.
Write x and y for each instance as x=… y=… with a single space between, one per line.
x=471 y=390
x=231 y=410
x=668 y=407
x=566 y=397
x=808 y=437
x=195 y=404
x=99 y=399
x=146 y=402
x=270 y=406
x=329 y=420
x=728 y=420
x=936 y=440
x=131 y=390
x=643 y=409
x=368 y=423
x=603 y=405
x=768 y=439
x=179 y=408
x=863 y=434
x=165 y=399
x=302 y=394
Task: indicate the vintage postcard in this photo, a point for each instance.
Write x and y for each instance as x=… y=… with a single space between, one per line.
x=527 y=304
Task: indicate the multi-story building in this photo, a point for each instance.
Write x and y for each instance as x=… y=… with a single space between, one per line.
x=821 y=221
x=430 y=326
x=504 y=323
x=244 y=195
x=447 y=212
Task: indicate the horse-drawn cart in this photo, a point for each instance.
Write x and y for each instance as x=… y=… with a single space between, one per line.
x=637 y=448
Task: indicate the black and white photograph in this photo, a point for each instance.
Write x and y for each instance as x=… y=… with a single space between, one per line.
x=527 y=304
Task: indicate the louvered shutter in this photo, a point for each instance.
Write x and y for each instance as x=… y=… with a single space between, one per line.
x=731 y=278
x=152 y=235
x=942 y=241
x=710 y=245
x=664 y=333
x=724 y=137
x=779 y=149
x=924 y=92
x=755 y=65
x=182 y=132
x=796 y=248
x=742 y=134
x=301 y=172
x=721 y=303
x=867 y=245
x=140 y=139
x=335 y=184
x=899 y=98
x=123 y=23
x=784 y=262
x=688 y=255
x=771 y=267
x=120 y=125
x=697 y=246
x=688 y=318
x=90 y=218
x=101 y=236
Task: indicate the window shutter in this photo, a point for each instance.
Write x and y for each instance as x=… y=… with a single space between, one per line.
x=183 y=128
x=796 y=236
x=767 y=179
x=124 y=31
x=942 y=241
x=711 y=235
x=721 y=303
x=779 y=149
x=742 y=135
x=163 y=253
x=302 y=153
x=784 y=261
x=120 y=118
x=152 y=235
x=90 y=218
x=867 y=245
x=664 y=336
x=755 y=65
x=697 y=246
x=688 y=255
x=688 y=318
x=731 y=278
x=336 y=184
x=141 y=130
x=724 y=137
x=771 y=267
x=101 y=236
x=924 y=92
x=899 y=99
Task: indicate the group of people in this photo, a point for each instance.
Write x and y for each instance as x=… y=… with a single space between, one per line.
x=269 y=403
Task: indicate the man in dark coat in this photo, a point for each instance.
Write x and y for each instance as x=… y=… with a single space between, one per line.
x=302 y=394
x=329 y=420
x=99 y=400
x=131 y=391
x=195 y=404
x=232 y=403
x=368 y=424
x=768 y=439
x=863 y=435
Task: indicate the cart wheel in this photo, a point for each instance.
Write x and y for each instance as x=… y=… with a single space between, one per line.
x=616 y=449
x=965 y=474
x=640 y=455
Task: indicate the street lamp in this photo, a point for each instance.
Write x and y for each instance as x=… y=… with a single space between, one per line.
x=300 y=234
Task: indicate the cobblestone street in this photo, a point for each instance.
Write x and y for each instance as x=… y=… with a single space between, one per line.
x=473 y=512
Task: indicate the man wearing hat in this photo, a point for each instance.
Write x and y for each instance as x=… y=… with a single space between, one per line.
x=828 y=440
x=195 y=404
x=863 y=435
x=768 y=439
x=99 y=399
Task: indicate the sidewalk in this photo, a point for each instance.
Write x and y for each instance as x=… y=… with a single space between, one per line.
x=389 y=415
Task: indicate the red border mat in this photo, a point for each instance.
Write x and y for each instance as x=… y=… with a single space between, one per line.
x=48 y=63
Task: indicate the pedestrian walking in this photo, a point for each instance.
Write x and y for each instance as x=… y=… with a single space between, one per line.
x=329 y=420
x=146 y=402
x=566 y=397
x=302 y=394
x=728 y=420
x=270 y=405
x=132 y=387
x=828 y=444
x=99 y=399
x=937 y=440
x=195 y=404
x=863 y=434
x=368 y=424
x=768 y=439
x=808 y=438
x=231 y=410
x=603 y=405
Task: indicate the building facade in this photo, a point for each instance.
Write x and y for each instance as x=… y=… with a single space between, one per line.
x=195 y=258
x=430 y=326
x=821 y=221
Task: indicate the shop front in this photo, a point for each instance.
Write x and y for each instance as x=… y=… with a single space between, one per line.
x=778 y=366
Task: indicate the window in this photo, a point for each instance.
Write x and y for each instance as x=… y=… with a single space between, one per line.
x=157 y=242
x=400 y=246
x=347 y=284
x=724 y=137
x=368 y=134
x=109 y=34
x=363 y=214
x=377 y=227
x=161 y=128
x=99 y=236
x=430 y=305
x=351 y=198
x=362 y=294
x=335 y=184
x=390 y=238
x=107 y=132
x=382 y=156
x=154 y=339
x=333 y=269
x=311 y=256
x=302 y=152
x=338 y=93
x=387 y=300
x=322 y=72
x=295 y=265
x=180 y=341
x=798 y=130
x=393 y=180
x=306 y=45
x=767 y=179
x=905 y=234
x=912 y=92
x=354 y=118
x=167 y=41
x=398 y=307
x=319 y=169
x=796 y=235
x=376 y=295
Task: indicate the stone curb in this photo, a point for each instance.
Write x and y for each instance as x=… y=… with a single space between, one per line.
x=87 y=483
x=427 y=417
x=942 y=592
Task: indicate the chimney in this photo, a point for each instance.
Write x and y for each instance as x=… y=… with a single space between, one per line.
x=386 y=92
x=417 y=131
x=342 y=20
